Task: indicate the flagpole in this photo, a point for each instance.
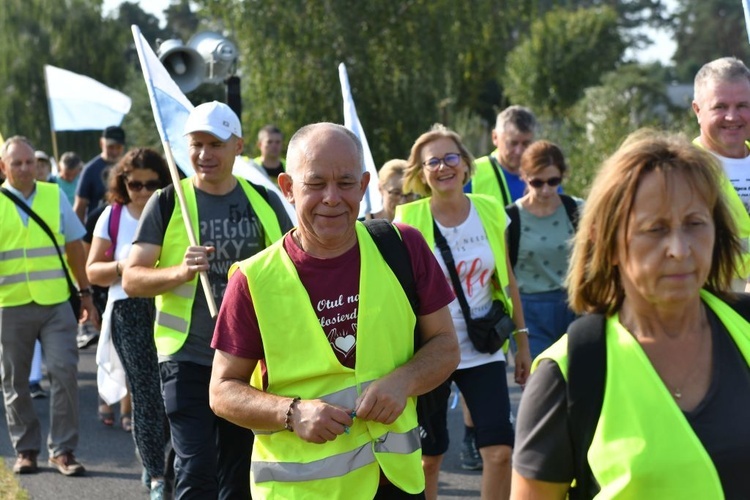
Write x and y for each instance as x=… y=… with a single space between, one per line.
x=51 y=119
x=203 y=275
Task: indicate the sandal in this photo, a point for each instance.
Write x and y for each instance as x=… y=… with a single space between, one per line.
x=107 y=417
x=126 y=422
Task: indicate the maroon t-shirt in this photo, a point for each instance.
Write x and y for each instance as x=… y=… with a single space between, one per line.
x=333 y=287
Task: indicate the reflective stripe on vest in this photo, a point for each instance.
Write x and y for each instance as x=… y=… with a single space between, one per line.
x=484 y=180
x=384 y=337
x=336 y=465
x=30 y=269
x=643 y=446
x=493 y=217
x=174 y=308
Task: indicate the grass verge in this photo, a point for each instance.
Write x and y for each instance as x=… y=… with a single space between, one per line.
x=10 y=489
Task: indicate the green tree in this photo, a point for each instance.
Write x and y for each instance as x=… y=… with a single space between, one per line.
x=564 y=53
x=706 y=30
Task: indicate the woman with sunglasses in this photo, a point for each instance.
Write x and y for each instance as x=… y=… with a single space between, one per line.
x=129 y=321
x=473 y=227
x=541 y=249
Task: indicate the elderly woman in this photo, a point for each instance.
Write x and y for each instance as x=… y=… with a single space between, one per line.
x=538 y=244
x=473 y=231
x=390 y=183
x=664 y=412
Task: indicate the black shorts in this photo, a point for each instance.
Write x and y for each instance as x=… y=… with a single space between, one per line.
x=485 y=390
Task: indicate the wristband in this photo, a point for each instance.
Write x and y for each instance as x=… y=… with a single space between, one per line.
x=288 y=417
x=118 y=269
x=85 y=292
x=521 y=330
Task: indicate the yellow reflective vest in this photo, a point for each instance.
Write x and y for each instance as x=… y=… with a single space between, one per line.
x=740 y=216
x=643 y=446
x=174 y=308
x=485 y=178
x=30 y=269
x=301 y=363
x=493 y=217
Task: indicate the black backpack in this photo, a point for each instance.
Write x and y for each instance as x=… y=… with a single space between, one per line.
x=396 y=255
x=587 y=371
x=514 y=229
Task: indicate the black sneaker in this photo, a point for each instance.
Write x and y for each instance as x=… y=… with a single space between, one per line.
x=470 y=457
x=36 y=391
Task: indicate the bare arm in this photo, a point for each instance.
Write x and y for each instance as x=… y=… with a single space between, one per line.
x=79 y=207
x=523 y=355
x=385 y=399
x=522 y=488
x=232 y=398
x=76 y=257
x=141 y=279
x=102 y=270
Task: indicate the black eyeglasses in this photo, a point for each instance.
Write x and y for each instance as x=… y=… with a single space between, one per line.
x=450 y=160
x=137 y=186
x=552 y=182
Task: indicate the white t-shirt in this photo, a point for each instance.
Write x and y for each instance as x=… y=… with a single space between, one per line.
x=475 y=264
x=738 y=173
x=125 y=234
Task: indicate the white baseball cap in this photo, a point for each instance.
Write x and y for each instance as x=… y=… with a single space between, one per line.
x=215 y=118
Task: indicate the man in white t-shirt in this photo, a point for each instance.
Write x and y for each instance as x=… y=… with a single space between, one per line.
x=722 y=106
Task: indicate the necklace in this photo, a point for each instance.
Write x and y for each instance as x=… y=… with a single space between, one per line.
x=677 y=392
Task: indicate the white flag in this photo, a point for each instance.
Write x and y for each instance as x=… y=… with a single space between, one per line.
x=77 y=102
x=171 y=109
x=373 y=201
x=746 y=8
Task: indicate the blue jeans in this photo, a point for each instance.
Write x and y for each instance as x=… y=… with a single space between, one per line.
x=212 y=455
x=547 y=317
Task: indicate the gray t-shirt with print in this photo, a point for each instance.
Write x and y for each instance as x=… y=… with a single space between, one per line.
x=229 y=224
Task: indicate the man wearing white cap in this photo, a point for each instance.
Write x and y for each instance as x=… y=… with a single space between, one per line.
x=233 y=219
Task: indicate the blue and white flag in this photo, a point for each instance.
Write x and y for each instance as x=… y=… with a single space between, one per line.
x=171 y=109
x=372 y=201
x=77 y=102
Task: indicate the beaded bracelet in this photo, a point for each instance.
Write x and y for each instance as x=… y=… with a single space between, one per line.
x=521 y=330
x=288 y=418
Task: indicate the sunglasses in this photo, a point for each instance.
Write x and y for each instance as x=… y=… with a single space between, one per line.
x=450 y=160
x=552 y=182
x=137 y=186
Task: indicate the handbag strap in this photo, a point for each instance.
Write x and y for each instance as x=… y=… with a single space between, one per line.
x=23 y=206
x=445 y=251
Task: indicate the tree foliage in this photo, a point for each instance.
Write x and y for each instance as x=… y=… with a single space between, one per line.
x=564 y=53
x=706 y=30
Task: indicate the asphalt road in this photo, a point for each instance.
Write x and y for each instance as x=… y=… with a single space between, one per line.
x=113 y=470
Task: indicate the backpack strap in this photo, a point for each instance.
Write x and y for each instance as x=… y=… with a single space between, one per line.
x=571 y=208
x=587 y=371
x=113 y=228
x=395 y=254
x=514 y=233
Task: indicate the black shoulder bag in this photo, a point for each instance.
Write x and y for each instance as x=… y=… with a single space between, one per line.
x=488 y=333
x=75 y=299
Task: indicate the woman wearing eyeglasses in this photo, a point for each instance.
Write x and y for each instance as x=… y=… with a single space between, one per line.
x=473 y=227
x=539 y=246
x=129 y=321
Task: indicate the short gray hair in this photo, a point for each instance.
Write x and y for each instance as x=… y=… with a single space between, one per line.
x=16 y=139
x=725 y=69
x=302 y=135
x=520 y=117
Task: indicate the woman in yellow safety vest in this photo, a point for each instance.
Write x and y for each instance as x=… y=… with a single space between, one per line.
x=476 y=263
x=666 y=408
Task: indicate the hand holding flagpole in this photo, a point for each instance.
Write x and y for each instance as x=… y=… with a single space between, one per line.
x=167 y=97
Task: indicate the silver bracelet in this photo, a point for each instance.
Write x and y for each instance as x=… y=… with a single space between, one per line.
x=521 y=330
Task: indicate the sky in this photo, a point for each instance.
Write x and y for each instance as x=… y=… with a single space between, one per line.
x=662 y=49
